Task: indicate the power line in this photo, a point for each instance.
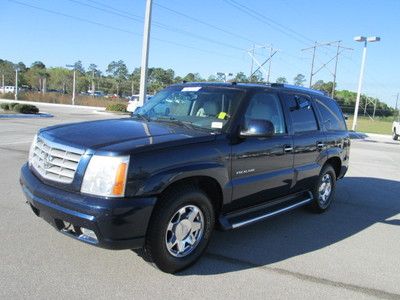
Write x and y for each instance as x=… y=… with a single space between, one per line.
x=156 y=24
x=117 y=29
x=269 y=22
x=204 y=23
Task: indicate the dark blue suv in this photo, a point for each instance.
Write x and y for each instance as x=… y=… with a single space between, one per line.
x=195 y=157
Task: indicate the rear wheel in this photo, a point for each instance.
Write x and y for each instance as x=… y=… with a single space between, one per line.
x=179 y=230
x=324 y=189
x=395 y=135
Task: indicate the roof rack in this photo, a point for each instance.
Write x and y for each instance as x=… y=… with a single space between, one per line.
x=297 y=87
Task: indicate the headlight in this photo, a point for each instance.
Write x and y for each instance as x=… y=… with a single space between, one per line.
x=106 y=176
x=32 y=149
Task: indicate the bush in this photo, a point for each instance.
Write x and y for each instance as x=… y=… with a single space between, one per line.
x=4 y=106
x=117 y=107
x=26 y=109
x=12 y=105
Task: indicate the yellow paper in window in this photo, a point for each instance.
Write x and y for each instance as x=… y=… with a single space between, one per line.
x=222 y=115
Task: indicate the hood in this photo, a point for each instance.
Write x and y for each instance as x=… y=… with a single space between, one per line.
x=121 y=135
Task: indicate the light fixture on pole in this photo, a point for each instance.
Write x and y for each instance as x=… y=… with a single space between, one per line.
x=364 y=40
x=73 y=83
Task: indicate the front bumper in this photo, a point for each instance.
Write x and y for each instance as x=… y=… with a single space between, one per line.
x=117 y=223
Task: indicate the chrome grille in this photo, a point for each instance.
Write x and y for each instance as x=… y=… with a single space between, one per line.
x=54 y=161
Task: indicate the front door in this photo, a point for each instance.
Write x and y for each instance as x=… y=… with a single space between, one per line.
x=262 y=168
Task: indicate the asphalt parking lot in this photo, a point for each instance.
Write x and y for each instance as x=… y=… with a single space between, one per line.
x=352 y=251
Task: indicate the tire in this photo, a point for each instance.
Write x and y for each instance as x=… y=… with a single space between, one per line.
x=395 y=135
x=322 y=202
x=171 y=223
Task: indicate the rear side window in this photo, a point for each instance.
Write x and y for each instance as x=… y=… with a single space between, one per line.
x=332 y=116
x=301 y=113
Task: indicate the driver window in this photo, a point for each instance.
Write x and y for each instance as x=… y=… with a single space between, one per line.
x=266 y=106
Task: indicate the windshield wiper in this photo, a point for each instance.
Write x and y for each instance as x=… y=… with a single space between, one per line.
x=186 y=124
x=141 y=117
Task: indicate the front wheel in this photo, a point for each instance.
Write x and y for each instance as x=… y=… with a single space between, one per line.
x=324 y=189
x=179 y=230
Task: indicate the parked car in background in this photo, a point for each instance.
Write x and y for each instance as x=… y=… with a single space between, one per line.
x=8 y=89
x=133 y=102
x=396 y=129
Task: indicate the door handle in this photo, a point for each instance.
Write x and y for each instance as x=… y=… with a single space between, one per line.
x=287 y=148
x=320 y=145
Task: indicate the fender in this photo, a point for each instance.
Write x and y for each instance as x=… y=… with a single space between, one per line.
x=157 y=183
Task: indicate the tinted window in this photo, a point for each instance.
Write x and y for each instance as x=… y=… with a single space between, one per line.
x=201 y=106
x=302 y=113
x=266 y=106
x=332 y=116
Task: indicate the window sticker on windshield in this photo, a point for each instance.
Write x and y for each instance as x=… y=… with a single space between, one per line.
x=222 y=115
x=191 y=89
x=217 y=125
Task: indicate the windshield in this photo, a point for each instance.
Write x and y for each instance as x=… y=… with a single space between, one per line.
x=204 y=107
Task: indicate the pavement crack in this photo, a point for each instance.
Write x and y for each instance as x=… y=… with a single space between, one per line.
x=348 y=286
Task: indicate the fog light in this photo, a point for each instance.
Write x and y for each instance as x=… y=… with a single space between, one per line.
x=88 y=234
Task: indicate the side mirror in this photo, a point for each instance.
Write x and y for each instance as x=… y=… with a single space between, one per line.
x=258 y=128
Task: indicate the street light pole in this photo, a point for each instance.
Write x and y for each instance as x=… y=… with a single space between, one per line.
x=73 y=88
x=145 y=53
x=360 y=80
x=73 y=83
x=16 y=84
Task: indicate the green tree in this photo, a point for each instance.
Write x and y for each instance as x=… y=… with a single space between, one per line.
x=59 y=79
x=281 y=80
x=323 y=86
x=8 y=70
x=299 y=79
x=119 y=73
x=240 y=77
x=256 y=77
x=193 y=77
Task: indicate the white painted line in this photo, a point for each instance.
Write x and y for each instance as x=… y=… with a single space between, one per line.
x=15 y=143
x=53 y=104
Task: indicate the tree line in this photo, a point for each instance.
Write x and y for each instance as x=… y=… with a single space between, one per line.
x=117 y=79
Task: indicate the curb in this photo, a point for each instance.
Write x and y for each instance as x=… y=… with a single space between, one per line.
x=25 y=116
x=53 y=104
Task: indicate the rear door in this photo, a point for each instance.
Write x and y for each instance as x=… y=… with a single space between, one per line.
x=262 y=168
x=308 y=140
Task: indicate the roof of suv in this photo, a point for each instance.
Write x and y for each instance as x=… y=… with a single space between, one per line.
x=254 y=85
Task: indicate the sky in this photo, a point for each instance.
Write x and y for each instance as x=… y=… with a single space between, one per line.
x=210 y=36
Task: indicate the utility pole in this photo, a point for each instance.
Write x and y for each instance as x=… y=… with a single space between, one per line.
x=251 y=53
x=312 y=63
x=334 y=72
x=16 y=84
x=375 y=103
x=73 y=83
x=270 y=61
x=145 y=53
x=339 y=50
x=2 y=83
x=252 y=61
x=93 y=87
x=396 y=108
x=73 y=87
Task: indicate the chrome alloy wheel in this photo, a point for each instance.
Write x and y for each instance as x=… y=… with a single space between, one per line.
x=184 y=231
x=325 y=189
